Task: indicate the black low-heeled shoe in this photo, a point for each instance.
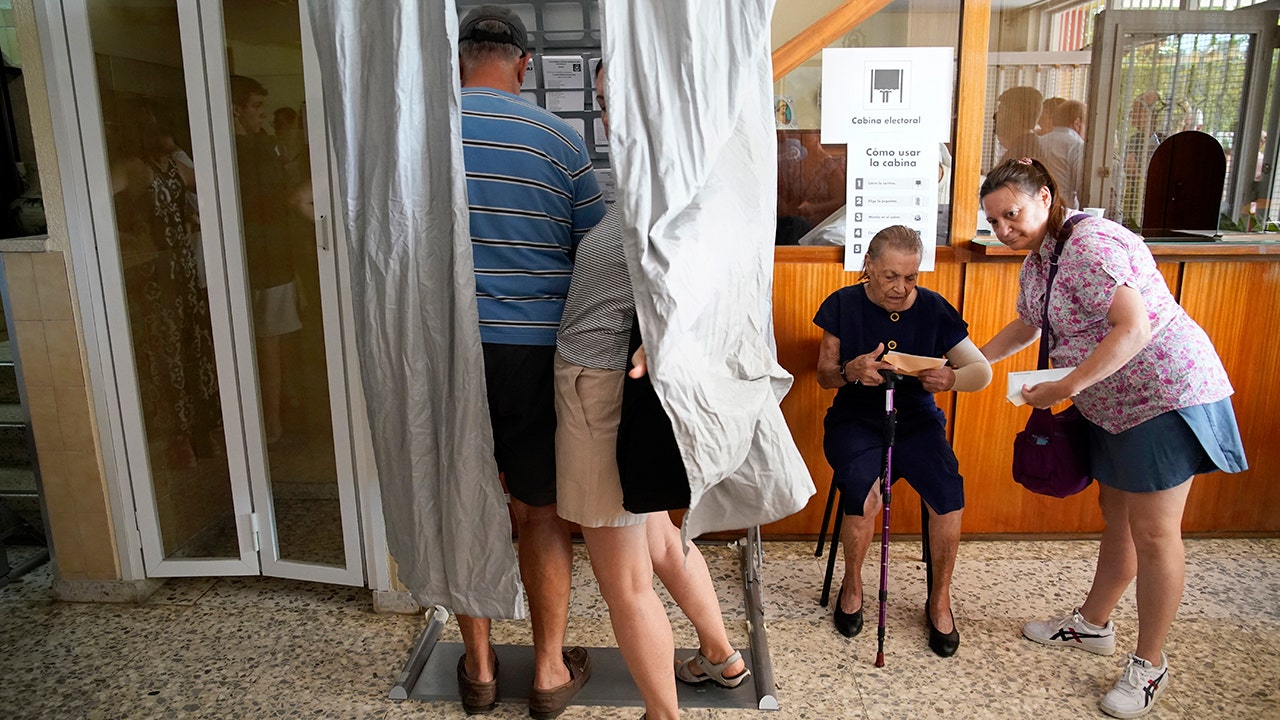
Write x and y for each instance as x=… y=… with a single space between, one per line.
x=847 y=624
x=943 y=645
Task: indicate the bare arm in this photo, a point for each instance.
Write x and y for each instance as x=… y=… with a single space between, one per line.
x=188 y=175
x=1130 y=332
x=829 y=361
x=1014 y=337
x=863 y=368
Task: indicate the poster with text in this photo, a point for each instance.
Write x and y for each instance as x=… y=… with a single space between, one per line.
x=892 y=108
x=891 y=182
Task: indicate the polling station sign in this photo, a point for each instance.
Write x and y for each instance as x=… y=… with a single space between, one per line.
x=886 y=91
x=892 y=108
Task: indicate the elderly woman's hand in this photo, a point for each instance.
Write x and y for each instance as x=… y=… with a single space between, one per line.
x=936 y=380
x=1046 y=394
x=866 y=368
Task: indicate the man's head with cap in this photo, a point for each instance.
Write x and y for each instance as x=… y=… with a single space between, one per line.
x=492 y=44
x=494 y=24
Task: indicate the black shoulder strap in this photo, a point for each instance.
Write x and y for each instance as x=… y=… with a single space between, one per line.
x=1068 y=227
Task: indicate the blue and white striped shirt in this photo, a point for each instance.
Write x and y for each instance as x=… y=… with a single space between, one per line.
x=532 y=195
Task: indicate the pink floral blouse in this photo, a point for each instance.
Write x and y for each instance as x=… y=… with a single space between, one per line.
x=1179 y=366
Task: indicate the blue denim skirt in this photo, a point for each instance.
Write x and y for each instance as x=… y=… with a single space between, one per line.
x=1168 y=449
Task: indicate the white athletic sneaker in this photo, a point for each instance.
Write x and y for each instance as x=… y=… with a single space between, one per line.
x=1136 y=691
x=1073 y=631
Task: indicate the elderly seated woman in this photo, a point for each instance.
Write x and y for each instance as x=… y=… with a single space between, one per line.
x=888 y=311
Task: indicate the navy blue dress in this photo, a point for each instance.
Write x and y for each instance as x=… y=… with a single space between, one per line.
x=854 y=425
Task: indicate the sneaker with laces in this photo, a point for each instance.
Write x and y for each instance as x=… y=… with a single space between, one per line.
x=1073 y=631
x=1137 y=689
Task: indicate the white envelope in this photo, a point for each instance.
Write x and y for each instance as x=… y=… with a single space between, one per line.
x=1032 y=377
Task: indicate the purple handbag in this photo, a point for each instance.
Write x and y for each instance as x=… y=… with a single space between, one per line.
x=1051 y=454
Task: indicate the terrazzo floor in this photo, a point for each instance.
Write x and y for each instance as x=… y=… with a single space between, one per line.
x=270 y=648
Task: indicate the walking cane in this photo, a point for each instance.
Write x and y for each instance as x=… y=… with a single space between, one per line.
x=886 y=486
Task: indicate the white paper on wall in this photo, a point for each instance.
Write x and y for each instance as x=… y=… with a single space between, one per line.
x=563 y=72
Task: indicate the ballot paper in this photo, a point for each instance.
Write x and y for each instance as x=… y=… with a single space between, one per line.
x=912 y=364
x=1031 y=378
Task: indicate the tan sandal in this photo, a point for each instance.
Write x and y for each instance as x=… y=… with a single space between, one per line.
x=687 y=671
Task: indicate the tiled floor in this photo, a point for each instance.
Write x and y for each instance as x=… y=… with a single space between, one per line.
x=262 y=647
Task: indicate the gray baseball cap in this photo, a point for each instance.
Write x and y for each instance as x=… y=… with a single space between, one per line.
x=512 y=34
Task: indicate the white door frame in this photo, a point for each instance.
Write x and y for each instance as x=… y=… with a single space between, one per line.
x=72 y=83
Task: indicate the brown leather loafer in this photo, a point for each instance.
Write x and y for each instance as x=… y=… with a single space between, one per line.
x=548 y=704
x=477 y=697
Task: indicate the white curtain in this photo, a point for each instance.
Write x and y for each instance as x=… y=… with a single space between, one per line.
x=392 y=103
x=694 y=151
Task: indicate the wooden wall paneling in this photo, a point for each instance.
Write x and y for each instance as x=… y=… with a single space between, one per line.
x=986 y=424
x=1172 y=273
x=947 y=279
x=1238 y=305
x=798 y=289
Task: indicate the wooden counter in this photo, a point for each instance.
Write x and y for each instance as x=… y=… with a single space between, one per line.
x=1231 y=289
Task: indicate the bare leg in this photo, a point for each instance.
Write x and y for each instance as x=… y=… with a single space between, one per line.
x=1117 y=560
x=475 y=642
x=689 y=583
x=271 y=381
x=944 y=543
x=856 y=534
x=546 y=568
x=1155 y=521
x=620 y=560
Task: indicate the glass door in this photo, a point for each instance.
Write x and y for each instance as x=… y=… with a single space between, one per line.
x=204 y=127
x=1158 y=73
x=266 y=98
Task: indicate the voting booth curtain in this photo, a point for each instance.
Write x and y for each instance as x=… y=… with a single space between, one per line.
x=694 y=153
x=390 y=74
x=694 y=150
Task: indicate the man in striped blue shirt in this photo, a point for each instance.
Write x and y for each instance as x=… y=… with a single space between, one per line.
x=532 y=194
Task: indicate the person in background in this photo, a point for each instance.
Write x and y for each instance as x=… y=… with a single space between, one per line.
x=1064 y=151
x=1144 y=118
x=150 y=187
x=888 y=311
x=263 y=202
x=811 y=184
x=1156 y=396
x=1045 y=124
x=532 y=195
x=291 y=147
x=1017 y=110
x=626 y=549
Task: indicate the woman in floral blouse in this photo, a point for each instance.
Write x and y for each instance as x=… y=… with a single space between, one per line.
x=1156 y=396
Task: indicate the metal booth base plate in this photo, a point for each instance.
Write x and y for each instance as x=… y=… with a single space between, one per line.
x=431 y=670
x=610 y=683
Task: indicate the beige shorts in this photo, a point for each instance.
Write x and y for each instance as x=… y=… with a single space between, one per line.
x=275 y=310
x=588 y=405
